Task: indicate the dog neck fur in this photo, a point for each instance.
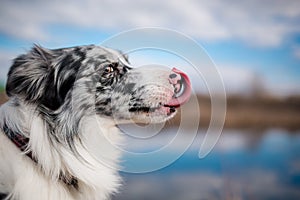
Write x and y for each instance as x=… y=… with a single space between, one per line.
x=94 y=161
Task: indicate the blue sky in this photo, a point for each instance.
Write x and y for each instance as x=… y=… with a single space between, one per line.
x=248 y=40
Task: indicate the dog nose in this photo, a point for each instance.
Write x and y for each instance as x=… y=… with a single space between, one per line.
x=176 y=81
x=182 y=87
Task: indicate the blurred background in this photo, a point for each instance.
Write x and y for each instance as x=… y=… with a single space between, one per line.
x=256 y=48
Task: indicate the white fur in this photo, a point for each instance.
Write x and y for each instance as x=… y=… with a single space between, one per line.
x=95 y=166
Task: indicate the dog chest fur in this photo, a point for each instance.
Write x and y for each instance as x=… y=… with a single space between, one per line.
x=97 y=174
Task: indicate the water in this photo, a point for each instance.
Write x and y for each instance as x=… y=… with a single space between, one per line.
x=243 y=165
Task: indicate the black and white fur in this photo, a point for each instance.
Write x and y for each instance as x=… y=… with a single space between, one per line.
x=68 y=103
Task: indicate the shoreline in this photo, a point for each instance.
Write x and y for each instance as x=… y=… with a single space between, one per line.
x=254 y=113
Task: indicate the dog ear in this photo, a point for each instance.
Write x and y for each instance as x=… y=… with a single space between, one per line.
x=31 y=77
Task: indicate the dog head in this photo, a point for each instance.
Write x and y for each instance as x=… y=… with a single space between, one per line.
x=92 y=79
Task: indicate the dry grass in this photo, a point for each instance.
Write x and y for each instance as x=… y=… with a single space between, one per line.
x=252 y=113
x=3 y=98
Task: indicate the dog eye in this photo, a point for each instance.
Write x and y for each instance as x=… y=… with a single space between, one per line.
x=109 y=69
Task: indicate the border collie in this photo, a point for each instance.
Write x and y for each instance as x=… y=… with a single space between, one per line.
x=58 y=131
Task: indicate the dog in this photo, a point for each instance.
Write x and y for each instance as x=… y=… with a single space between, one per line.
x=59 y=133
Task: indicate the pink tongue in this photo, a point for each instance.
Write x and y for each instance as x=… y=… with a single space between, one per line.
x=184 y=97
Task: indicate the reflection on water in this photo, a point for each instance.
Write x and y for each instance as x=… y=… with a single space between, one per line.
x=243 y=165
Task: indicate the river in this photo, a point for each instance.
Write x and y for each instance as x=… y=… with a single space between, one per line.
x=242 y=165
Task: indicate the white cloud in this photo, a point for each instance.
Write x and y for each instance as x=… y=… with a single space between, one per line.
x=264 y=23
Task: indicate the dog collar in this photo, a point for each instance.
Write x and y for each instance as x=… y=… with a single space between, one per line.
x=22 y=143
